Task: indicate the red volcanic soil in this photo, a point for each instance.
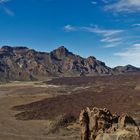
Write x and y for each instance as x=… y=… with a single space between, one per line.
x=117 y=93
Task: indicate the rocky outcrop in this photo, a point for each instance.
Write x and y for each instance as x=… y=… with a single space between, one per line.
x=100 y=124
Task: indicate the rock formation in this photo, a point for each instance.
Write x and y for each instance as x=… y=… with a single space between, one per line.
x=100 y=124
x=22 y=63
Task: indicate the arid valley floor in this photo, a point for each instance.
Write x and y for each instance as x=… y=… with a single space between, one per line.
x=33 y=110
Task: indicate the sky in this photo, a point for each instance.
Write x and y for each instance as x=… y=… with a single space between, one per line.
x=106 y=29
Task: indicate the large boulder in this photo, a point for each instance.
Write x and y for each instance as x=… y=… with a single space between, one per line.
x=100 y=124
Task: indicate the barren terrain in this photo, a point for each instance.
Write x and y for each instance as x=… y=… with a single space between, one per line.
x=17 y=93
x=32 y=110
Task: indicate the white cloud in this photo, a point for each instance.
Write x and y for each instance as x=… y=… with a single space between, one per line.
x=94 y=2
x=112 y=45
x=4 y=1
x=105 y=1
x=94 y=29
x=69 y=28
x=9 y=12
x=103 y=32
x=131 y=55
x=109 y=36
x=5 y=9
x=136 y=25
x=110 y=39
x=124 y=6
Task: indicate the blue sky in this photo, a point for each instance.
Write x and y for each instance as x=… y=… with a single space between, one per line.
x=106 y=29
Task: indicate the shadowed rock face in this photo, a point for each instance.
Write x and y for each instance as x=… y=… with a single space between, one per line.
x=22 y=63
x=60 y=53
x=100 y=124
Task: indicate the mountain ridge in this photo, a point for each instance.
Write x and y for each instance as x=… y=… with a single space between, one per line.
x=22 y=63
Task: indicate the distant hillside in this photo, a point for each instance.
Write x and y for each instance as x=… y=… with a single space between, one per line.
x=22 y=63
x=127 y=68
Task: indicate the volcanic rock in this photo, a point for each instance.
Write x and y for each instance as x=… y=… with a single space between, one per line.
x=22 y=63
x=100 y=124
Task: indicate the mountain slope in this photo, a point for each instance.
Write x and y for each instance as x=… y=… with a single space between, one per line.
x=125 y=69
x=22 y=63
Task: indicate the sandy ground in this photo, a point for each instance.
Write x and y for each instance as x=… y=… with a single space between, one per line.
x=17 y=93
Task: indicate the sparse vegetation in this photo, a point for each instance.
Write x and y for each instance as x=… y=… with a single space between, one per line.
x=49 y=109
x=60 y=122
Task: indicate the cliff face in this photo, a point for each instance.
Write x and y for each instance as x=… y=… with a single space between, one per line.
x=22 y=63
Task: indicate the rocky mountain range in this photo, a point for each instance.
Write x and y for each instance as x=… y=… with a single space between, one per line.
x=22 y=63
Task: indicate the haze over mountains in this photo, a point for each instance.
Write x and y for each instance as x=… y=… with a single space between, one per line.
x=22 y=63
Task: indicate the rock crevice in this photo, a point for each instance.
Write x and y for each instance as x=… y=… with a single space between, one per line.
x=100 y=124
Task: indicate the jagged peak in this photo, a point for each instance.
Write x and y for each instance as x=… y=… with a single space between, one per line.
x=7 y=48
x=130 y=66
x=10 y=48
x=61 y=52
x=91 y=57
x=20 y=48
x=61 y=49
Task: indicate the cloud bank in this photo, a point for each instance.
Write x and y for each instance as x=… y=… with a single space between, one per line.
x=130 y=6
x=131 y=55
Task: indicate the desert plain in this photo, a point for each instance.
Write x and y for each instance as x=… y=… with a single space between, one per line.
x=49 y=109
